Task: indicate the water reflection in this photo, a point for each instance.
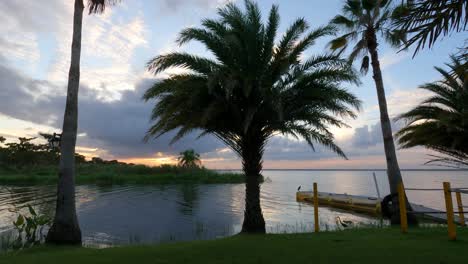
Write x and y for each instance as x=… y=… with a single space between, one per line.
x=114 y=215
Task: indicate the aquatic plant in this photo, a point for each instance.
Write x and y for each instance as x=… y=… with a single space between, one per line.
x=30 y=228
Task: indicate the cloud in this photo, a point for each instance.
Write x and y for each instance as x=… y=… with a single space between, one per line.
x=116 y=126
x=115 y=129
x=176 y=5
x=392 y=58
x=108 y=46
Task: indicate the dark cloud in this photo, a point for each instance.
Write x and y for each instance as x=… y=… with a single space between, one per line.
x=117 y=126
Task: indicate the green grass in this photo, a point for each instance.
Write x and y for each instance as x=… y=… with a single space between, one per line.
x=118 y=174
x=353 y=246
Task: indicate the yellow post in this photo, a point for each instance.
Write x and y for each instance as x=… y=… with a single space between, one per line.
x=316 y=218
x=402 y=204
x=452 y=232
x=460 y=209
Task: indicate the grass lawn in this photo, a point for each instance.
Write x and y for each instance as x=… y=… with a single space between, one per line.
x=107 y=174
x=353 y=246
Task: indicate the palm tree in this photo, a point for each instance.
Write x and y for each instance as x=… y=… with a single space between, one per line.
x=65 y=228
x=189 y=159
x=440 y=122
x=428 y=20
x=361 y=22
x=251 y=90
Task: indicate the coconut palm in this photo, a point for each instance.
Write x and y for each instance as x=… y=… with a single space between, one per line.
x=65 y=228
x=189 y=159
x=361 y=23
x=440 y=122
x=428 y=20
x=252 y=89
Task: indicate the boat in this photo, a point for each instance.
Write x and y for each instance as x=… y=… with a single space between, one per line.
x=360 y=204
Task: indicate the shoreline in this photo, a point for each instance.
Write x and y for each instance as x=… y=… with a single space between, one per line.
x=119 y=175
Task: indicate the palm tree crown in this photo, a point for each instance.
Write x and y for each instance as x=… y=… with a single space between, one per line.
x=189 y=159
x=440 y=122
x=252 y=84
x=360 y=21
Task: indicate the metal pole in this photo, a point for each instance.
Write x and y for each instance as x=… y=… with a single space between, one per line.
x=402 y=204
x=316 y=217
x=460 y=209
x=452 y=232
x=376 y=185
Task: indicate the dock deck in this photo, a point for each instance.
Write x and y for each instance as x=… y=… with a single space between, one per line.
x=368 y=205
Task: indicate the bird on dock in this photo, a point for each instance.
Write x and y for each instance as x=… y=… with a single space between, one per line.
x=343 y=223
x=299 y=188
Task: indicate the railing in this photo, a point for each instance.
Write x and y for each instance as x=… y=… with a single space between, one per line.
x=451 y=228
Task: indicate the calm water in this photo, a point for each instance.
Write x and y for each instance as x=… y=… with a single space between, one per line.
x=151 y=214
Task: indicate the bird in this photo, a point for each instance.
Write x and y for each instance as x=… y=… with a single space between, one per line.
x=343 y=223
x=299 y=188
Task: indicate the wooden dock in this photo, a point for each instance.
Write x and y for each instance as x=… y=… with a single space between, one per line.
x=368 y=205
x=356 y=203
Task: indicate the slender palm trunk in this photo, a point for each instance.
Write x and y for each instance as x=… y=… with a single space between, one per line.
x=65 y=228
x=393 y=169
x=252 y=152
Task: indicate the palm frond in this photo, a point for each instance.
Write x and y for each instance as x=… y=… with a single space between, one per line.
x=429 y=20
x=440 y=122
x=98 y=6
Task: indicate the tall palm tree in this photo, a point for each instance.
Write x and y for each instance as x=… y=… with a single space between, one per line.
x=361 y=22
x=189 y=159
x=428 y=20
x=65 y=228
x=440 y=122
x=251 y=90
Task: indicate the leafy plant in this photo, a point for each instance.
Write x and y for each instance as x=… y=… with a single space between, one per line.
x=30 y=228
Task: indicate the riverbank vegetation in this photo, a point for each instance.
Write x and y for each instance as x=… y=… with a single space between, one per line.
x=28 y=162
x=107 y=174
x=351 y=246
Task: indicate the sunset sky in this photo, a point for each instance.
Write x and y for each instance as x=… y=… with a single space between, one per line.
x=35 y=38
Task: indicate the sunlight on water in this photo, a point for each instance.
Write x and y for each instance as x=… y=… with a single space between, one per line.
x=151 y=214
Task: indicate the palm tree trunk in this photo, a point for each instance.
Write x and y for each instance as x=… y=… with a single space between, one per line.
x=393 y=169
x=252 y=152
x=65 y=228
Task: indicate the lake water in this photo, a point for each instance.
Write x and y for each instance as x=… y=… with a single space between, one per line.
x=151 y=214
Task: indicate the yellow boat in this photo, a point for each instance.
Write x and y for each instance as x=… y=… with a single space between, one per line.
x=360 y=204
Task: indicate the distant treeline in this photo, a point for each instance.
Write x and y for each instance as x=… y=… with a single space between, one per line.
x=26 y=162
x=26 y=153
